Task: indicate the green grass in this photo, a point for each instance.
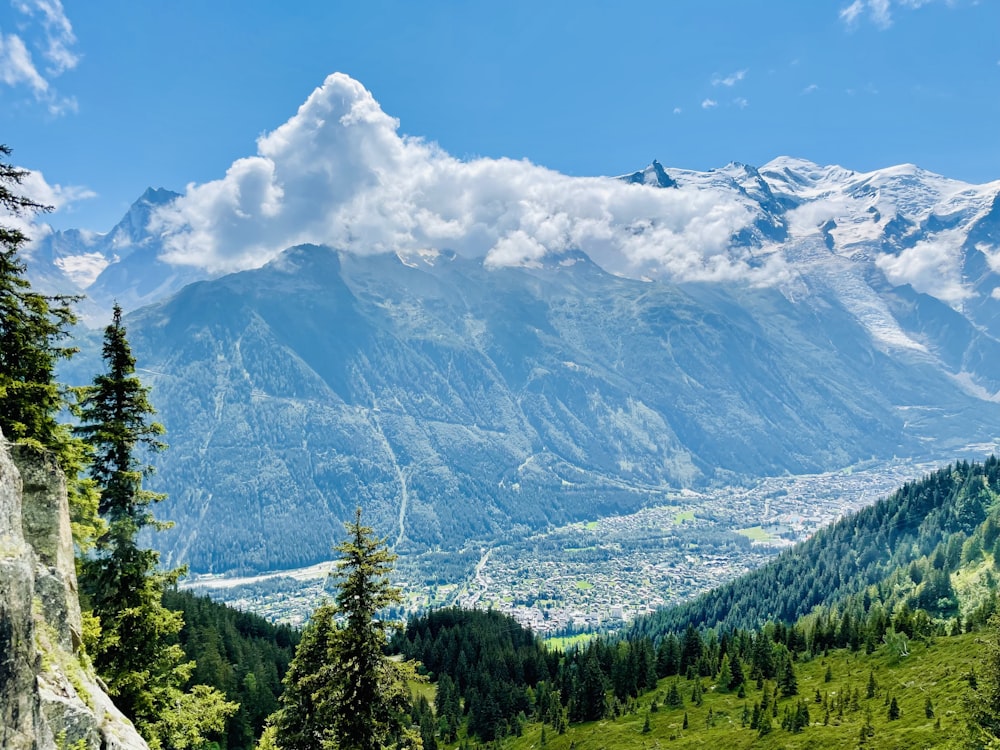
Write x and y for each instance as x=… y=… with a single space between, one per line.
x=682 y=516
x=584 y=585
x=937 y=671
x=426 y=689
x=591 y=525
x=755 y=534
x=561 y=643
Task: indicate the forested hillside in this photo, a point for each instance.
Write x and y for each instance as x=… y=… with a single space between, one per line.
x=876 y=631
x=939 y=511
x=240 y=654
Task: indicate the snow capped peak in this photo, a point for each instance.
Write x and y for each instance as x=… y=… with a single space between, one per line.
x=654 y=175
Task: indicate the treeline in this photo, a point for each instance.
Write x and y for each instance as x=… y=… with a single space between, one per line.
x=239 y=653
x=484 y=660
x=858 y=551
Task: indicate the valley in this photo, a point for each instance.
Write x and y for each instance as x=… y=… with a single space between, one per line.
x=601 y=573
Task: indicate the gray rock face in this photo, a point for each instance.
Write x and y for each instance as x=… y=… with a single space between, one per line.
x=49 y=699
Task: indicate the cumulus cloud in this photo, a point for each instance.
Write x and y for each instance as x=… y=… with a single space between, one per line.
x=57 y=197
x=339 y=173
x=931 y=266
x=47 y=33
x=810 y=88
x=708 y=103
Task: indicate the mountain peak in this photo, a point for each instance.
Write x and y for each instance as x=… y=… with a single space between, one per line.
x=654 y=175
x=156 y=197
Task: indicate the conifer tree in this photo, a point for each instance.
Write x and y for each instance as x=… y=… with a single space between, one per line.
x=33 y=332
x=893 y=709
x=121 y=581
x=136 y=651
x=341 y=690
x=725 y=678
x=32 y=326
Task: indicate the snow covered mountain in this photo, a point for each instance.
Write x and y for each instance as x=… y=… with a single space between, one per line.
x=845 y=316
x=123 y=264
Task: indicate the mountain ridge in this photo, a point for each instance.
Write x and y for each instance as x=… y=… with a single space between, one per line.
x=852 y=317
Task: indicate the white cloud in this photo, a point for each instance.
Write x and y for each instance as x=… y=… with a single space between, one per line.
x=741 y=102
x=880 y=11
x=708 y=103
x=339 y=173
x=730 y=80
x=810 y=88
x=850 y=14
x=58 y=197
x=49 y=34
x=678 y=110
x=931 y=266
x=17 y=67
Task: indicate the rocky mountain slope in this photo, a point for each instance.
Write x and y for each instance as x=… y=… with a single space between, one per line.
x=48 y=699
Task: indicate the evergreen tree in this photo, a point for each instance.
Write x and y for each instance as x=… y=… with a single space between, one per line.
x=136 y=650
x=725 y=677
x=674 y=699
x=872 y=685
x=590 y=698
x=33 y=332
x=893 y=709
x=787 y=680
x=31 y=327
x=342 y=691
x=373 y=695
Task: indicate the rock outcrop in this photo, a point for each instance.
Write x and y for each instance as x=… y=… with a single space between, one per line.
x=49 y=698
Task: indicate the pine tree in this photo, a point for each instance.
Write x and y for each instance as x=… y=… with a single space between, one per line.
x=872 y=685
x=725 y=677
x=787 y=680
x=893 y=709
x=33 y=332
x=31 y=327
x=674 y=699
x=372 y=699
x=342 y=691
x=136 y=651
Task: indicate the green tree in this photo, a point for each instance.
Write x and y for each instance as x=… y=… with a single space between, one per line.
x=32 y=326
x=983 y=705
x=341 y=691
x=134 y=653
x=893 y=709
x=136 y=650
x=787 y=680
x=34 y=329
x=725 y=677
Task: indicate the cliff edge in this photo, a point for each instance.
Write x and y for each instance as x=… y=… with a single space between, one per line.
x=50 y=699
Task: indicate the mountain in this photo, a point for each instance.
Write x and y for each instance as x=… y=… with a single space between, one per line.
x=122 y=265
x=456 y=399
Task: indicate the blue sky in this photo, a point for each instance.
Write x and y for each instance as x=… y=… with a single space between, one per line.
x=113 y=97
